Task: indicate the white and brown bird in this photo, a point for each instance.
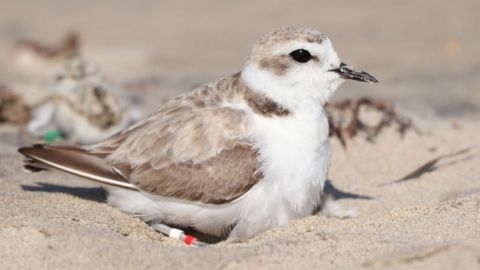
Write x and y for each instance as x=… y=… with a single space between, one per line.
x=83 y=105
x=234 y=157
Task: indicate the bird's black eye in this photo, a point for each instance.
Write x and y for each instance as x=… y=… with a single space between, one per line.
x=301 y=55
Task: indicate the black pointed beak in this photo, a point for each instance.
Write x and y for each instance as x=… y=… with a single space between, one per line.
x=346 y=72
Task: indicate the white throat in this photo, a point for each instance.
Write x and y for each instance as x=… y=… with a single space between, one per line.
x=293 y=90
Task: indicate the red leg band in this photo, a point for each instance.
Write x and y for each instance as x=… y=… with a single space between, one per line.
x=189 y=239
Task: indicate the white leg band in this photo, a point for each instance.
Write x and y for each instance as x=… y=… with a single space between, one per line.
x=175 y=233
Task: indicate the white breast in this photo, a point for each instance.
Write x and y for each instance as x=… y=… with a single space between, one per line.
x=295 y=154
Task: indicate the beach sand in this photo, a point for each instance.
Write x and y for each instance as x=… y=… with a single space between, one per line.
x=424 y=54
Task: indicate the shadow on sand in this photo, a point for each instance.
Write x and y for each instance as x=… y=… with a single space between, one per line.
x=339 y=194
x=87 y=193
x=99 y=195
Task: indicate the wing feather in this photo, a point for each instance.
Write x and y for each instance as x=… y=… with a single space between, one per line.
x=77 y=162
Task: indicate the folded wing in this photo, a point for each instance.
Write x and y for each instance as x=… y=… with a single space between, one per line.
x=196 y=148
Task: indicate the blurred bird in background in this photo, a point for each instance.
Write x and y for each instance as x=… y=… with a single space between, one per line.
x=84 y=107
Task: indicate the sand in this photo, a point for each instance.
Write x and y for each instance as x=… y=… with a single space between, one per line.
x=425 y=55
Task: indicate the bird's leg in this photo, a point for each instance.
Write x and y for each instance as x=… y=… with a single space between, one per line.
x=178 y=234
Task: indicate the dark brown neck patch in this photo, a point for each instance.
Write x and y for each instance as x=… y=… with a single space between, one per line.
x=264 y=105
x=234 y=88
x=259 y=103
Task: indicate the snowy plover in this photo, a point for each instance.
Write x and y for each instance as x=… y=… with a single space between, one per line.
x=234 y=157
x=84 y=106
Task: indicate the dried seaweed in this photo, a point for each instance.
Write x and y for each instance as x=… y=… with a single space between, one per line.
x=345 y=121
x=430 y=166
x=13 y=108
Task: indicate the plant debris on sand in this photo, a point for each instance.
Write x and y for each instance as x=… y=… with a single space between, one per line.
x=345 y=119
x=13 y=109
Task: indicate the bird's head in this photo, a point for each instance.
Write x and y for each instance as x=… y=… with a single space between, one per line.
x=295 y=64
